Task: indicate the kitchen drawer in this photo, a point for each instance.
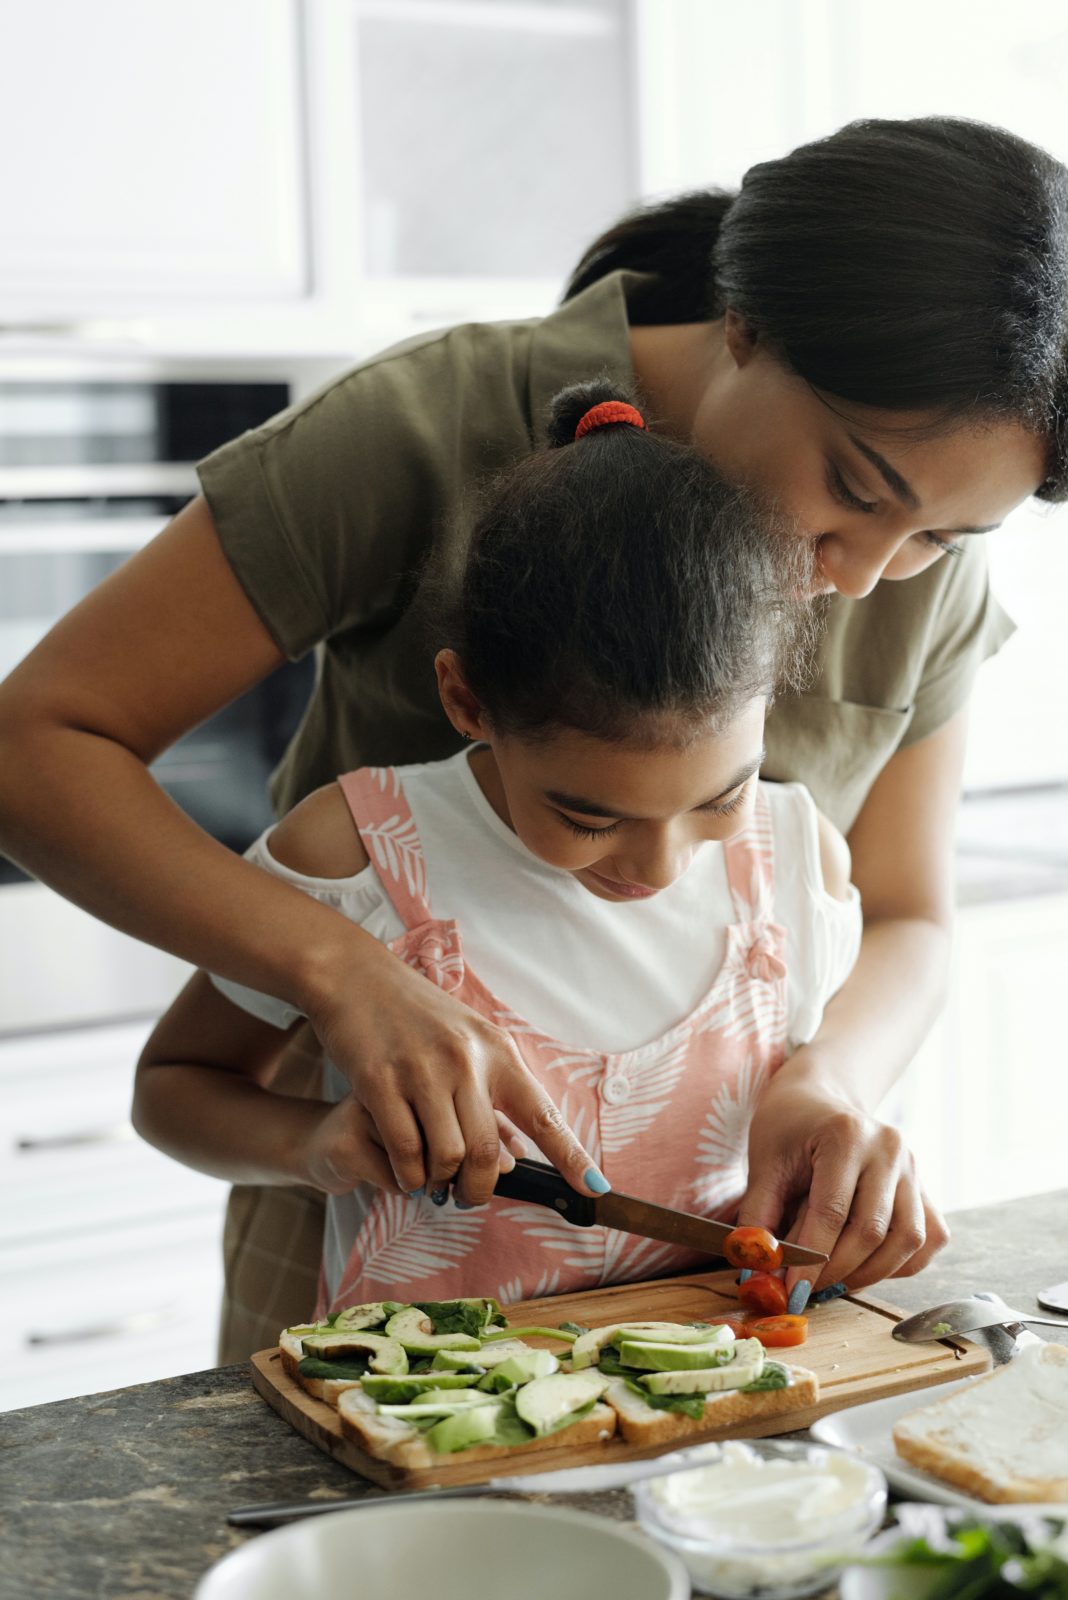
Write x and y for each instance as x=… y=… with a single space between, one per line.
x=69 y=1158
x=135 y=1304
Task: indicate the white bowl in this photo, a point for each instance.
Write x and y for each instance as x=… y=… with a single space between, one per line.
x=449 y=1551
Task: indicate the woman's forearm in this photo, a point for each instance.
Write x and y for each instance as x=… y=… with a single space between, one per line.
x=877 y=1021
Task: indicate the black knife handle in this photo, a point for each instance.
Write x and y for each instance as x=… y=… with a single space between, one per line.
x=542 y=1185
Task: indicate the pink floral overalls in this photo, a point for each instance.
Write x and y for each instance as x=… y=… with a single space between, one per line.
x=667 y=1121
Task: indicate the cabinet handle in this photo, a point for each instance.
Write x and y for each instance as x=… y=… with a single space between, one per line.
x=136 y=1322
x=118 y=1133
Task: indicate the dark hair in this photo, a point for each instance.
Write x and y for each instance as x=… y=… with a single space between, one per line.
x=908 y=265
x=616 y=576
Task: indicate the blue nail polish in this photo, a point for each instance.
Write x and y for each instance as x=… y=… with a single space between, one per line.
x=594 y=1179
x=462 y=1205
x=798 y=1297
x=439 y=1196
x=833 y=1291
x=745 y=1275
x=417 y=1194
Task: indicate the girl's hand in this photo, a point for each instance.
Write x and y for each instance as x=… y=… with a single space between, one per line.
x=432 y=1076
x=837 y=1180
x=344 y=1149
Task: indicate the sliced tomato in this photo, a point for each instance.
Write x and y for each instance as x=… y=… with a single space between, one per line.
x=754 y=1248
x=738 y=1326
x=777 y=1332
x=765 y=1293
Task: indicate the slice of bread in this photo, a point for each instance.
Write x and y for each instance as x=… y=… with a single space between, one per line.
x=1003 y=1438
x=396 y=1441
x=643 y=1424
x=328 y=1389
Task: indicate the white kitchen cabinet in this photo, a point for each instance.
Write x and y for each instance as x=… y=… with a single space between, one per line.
x=109 y=1252
x=152 y=156
x=984 y=1105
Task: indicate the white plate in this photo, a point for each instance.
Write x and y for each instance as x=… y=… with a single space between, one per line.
x=450 y=1551
x=868 y=1430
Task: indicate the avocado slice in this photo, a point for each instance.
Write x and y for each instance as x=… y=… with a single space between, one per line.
x=434 y=1403
x=413 y=1329
x=365 y=1316
x=469 y=1426
x=410 y=1386
x=383 y=1354
x=520 y=1369
x=489 y=1355
x=745 y=1368
x=588 y=1347
x=672 y=1357
x=548 y=1403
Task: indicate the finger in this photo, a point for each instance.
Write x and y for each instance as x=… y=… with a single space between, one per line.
x=764 y=1201
x=373 y=1161
x=867 y=1232
x=525 y=1102
x=515 y=1142
x=444 y=1140
x=824 y=1215
x=473 y=1183
x=936 y=1237
x=402 y=1139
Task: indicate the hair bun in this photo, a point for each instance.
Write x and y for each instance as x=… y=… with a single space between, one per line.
x=567 y=409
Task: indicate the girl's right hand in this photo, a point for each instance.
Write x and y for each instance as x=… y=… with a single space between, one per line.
x=436 y=1079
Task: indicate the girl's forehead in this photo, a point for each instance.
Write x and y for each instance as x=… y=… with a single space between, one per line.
x=645 y=777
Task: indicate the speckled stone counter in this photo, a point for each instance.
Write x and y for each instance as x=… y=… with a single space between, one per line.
x=124 y=1495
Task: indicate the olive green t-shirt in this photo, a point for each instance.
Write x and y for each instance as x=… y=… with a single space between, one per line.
x=327 y=512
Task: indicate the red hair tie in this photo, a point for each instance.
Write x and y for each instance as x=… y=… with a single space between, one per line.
x=607 y=412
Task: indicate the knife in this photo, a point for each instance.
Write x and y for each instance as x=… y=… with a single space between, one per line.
x=541 y=1185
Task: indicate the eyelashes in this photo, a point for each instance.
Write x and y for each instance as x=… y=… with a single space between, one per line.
x=582 y=832
x=845 y=496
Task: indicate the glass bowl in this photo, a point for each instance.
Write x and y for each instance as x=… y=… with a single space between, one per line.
x=782 y=1536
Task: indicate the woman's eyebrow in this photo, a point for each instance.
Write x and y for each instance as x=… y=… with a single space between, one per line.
x=904 y=491
x=592 y=808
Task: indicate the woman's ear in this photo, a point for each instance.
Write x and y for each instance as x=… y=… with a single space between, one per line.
x=741 y=338
x=460 y=705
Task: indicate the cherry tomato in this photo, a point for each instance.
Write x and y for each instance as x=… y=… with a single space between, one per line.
x=777 y=1332
x=754 y=1248
x=737 y=1325
x=765 y=1293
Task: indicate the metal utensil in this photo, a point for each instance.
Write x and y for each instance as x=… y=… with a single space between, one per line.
x=1055 y=1298
x=541 y=1185
x=965 y=1316
x=572 y=1480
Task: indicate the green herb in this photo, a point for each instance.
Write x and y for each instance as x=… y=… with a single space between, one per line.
x=689 y=1405
x=528 y=1333
x=575 y=1329
x=772 y=1376
x=460 y=1316
x=315 y=1367
x=611 y=1366
x=968 y=1559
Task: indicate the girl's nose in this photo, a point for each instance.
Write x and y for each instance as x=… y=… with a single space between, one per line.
x=656 y=862
x=854 y=562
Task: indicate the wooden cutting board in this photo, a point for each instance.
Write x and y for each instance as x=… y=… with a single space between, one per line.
x=849 y=1347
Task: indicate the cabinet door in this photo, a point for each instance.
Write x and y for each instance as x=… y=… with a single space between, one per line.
x=493 y=140
x=151 y=154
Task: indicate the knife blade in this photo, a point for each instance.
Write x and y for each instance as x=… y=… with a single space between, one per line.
x=542 y=1185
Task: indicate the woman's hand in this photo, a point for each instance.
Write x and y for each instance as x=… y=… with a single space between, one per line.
x=345 y=1148
x=836 y=1179
x=441 y=1084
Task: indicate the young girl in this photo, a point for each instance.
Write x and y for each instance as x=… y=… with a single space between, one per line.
x=600 y=873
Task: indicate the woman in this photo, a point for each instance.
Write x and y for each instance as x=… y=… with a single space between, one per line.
x=873 y=333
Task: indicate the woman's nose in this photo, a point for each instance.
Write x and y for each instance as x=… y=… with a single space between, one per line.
x=854 y=563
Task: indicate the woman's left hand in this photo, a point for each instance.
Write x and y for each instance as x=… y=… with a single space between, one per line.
x=838 y=1180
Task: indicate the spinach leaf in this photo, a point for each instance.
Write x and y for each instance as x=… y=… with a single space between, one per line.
x=574 y=1328
x=688 y=1405
x=611 y=1365
x=773 y=1376
x=460 y=1316
x=315 y=1367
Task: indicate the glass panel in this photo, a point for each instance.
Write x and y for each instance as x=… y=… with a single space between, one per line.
x=496 y=138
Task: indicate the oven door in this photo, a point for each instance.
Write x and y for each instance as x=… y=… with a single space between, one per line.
x=61 y=966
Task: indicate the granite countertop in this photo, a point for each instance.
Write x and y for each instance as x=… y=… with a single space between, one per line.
x=124 y=1495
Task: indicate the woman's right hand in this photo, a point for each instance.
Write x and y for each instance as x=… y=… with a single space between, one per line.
x=442 y=1085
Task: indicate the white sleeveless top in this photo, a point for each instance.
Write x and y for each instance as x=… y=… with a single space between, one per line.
x=603 y=974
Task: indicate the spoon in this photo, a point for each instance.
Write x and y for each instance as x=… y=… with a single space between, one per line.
x=965 y=1316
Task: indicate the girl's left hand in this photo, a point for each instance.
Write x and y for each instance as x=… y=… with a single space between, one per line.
x=837 y=1180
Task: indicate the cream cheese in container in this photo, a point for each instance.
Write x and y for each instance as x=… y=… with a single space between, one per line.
x=765 y=1517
